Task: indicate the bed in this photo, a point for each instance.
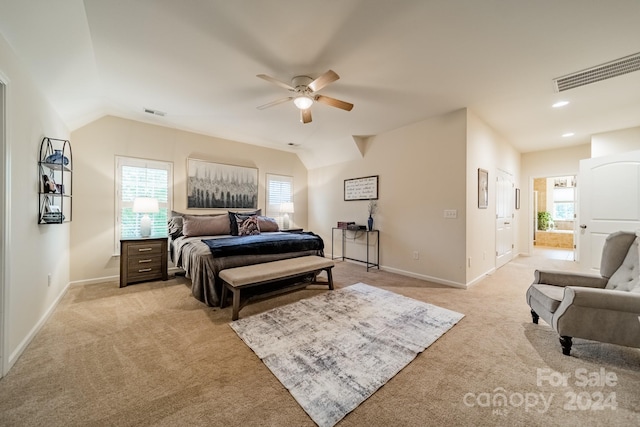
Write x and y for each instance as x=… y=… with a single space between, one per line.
x=190 y=247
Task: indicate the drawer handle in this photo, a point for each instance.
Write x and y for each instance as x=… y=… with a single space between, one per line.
x=142 y=261
x=145 y=249
x=144 y=270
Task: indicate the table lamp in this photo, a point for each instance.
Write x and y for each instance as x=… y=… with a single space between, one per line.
x=286 y=208
x=145 y=205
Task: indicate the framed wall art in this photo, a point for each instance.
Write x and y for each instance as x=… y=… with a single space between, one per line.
x=221 y=186
x=365 y=188
x=517 y=198
x=483 y=188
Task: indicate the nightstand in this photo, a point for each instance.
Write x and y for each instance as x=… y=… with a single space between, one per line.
x=143 y=259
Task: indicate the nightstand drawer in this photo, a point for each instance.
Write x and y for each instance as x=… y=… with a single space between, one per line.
x=144 y=264
x=144 y=249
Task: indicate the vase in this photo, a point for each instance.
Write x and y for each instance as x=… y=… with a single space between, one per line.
x=57 y=158
x=370 y=223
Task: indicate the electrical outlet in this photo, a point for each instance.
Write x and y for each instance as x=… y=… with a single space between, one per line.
x=416 y=255
x=49 y=279
x=451 y=213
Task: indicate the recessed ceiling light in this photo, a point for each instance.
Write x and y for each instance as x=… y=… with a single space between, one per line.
x=568 y=134
x=560 y=104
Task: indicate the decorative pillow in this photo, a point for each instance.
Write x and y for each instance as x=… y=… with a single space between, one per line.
x=233 y=218
x=175 y=224
x=249 y=226
x=267 y=224
x=206 y=225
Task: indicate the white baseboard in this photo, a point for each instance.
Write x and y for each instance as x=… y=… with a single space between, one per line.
x=430 y=278
x=13 y=357
x=97 y=280
x=425 y=277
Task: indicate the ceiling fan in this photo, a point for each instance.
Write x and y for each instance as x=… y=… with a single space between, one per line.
x=304 y=90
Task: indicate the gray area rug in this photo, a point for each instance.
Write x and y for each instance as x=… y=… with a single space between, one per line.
x=335 y=350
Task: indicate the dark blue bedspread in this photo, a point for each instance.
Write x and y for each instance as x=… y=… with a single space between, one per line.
x=265 y=244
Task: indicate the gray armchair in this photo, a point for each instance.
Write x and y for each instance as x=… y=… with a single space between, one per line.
x=603 y=308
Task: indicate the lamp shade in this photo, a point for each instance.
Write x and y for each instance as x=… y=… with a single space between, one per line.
x=145 y=205
x=286 y=207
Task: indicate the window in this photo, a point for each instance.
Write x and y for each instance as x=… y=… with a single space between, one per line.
x=280 y=199
x=563 y=203
x=141 y=178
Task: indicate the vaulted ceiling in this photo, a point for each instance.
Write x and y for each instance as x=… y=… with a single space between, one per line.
x=399 y=62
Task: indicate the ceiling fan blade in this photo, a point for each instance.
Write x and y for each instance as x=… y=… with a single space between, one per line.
x=276 y=102
x=276 y=82
x=305 y=115
x=328 y=77
x=334 y=102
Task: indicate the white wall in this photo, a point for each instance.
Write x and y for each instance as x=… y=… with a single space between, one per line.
x=615 y=142
x=424 y=168
x=488 y=150
x=539 y=164
x=34 y=250
x=95 y=147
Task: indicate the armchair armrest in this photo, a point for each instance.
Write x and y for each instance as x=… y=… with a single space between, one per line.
x=562 y=278
x=606 y=299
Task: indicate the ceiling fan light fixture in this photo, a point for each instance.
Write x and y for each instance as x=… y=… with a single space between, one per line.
x=303 y=101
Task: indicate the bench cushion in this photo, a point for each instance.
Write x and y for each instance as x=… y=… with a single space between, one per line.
x=256 y=273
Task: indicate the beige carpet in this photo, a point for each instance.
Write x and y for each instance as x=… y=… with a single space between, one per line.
x=150 y=354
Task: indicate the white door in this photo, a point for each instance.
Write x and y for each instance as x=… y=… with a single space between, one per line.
x=609 y=197
x=504 y=218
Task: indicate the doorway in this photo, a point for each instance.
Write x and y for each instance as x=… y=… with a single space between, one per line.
x=554 y=217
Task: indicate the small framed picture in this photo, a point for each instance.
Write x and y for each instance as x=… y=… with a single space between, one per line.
x=483 y=188
x=517 y=198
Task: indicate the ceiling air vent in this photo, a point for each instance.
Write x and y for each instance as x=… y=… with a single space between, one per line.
x=155 y=112
x=616 y=68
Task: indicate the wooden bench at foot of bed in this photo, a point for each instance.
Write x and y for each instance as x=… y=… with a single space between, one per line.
x=249 y=276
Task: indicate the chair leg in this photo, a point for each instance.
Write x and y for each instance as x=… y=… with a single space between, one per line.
x=566 y=343
x=535 y=317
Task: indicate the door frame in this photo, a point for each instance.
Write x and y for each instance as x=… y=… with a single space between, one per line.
x=5 y=230
x=532 y=217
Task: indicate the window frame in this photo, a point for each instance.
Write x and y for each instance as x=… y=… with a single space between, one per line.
x=563 y=201
x=273 y=212
x=139 y=162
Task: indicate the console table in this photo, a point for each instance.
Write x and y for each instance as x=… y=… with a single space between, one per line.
x=356 y=233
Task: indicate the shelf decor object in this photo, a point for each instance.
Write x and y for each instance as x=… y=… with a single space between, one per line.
x=145 y=206
x=55 y=177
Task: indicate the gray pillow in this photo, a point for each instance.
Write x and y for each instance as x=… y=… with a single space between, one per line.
x=267 y=224
x=176 y=222
x=195 y=225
